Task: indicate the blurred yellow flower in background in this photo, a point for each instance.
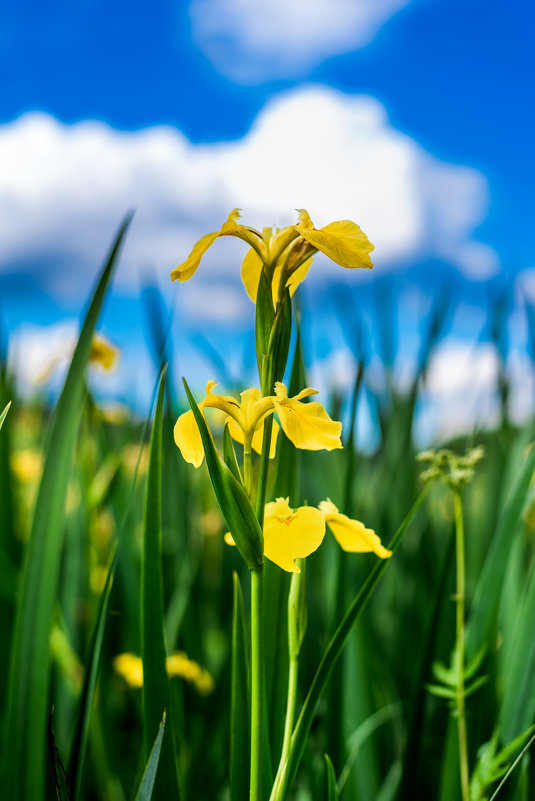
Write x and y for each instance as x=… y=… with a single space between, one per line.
x=178 y=664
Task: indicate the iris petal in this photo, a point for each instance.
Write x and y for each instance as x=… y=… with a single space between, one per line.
x=289 y=535
x=343 y=241
x=352 y=535
x=307 y=425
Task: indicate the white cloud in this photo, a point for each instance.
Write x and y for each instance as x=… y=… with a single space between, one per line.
x=65 y=188
x=252 y=42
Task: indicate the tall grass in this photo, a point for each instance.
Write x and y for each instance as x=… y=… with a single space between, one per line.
x=101 y=556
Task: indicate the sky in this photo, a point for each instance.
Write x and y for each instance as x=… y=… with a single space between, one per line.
x=411 y=117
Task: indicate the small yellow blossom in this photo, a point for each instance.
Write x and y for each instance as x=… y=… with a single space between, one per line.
x=130 y=667
x=286 y=252
x=27 y=465
x=103 y=353
x=352 y=535
x=307 y=425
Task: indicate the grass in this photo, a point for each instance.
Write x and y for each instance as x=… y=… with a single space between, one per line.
x=115 y=546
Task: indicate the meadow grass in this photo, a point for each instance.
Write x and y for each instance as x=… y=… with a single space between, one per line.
x=377 y=680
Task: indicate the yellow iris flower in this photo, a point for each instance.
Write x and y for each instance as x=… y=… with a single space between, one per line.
x=289 y=533
x=307 y=425
x=130 y=667
x=287 y=251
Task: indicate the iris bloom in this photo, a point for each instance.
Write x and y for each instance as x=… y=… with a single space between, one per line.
x=289 y=533
x=286 y=253
x=307 y=425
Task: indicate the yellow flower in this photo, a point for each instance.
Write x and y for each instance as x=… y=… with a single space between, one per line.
x=287 y=251
x=289 y=534
x=307 y=425
x=27 y=465
x=103 y=353
x=130 y=667
x=352 y=535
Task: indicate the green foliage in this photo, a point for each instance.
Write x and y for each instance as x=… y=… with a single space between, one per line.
x=493 y=764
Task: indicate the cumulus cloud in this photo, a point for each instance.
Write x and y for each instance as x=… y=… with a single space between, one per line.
x=271 y=39
x=65 y=188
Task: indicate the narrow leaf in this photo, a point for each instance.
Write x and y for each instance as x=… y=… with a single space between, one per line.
x=4 y=414
x=487 y=594
x=146 y=786
x=156 y=689
x=26 y=719
x=332 y=792
x=239 y=702
x=229 y=455
x=60 y=776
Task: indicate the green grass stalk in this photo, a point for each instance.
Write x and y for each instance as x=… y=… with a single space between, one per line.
x=257 y=683
x=460 y=647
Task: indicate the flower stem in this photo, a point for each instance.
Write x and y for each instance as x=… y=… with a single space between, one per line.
x=459 y=647
x=257 y=683
x=248 y=467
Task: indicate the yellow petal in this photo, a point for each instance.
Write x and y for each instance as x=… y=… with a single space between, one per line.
x=188 y=268
x=307 y=425
x=103 y=352
x=304 y=220
x=343 y=241
x=288 y=534
x=188 y=439
x=231 y=227
x=352 y=535
x=229 y=539
x=250 y=273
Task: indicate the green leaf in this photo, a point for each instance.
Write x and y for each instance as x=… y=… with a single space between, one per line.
x=4 y=414
x=330 y=657
x=85 y=700
x=447 y=676
x=229 y=455
x=240 y=741
x=332 y=792
x=264 y=317
x=156 y=689
x=26 y=719
x=487 y=594
x=441 y=691
x=235 y=506
x=518 y=707
x=492 y=765
x=279 y=341
x=146 y=786
x=60 y=776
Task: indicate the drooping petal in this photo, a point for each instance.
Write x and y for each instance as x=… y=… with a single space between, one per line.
x=352 y=535
x=188 y=438
x=307 y=425
x=231 y=227
x=289 y=534
x=343 y=241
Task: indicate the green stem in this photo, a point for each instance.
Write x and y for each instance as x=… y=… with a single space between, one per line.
x=257 y=683
x=263 y=470
x=460 y=646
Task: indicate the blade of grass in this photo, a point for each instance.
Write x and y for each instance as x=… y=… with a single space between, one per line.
x=156 y=689
x=487 y=593
x=239 y=702
x=4 y=414
x=146 y=786
x=85 y=701
x=60 y=776
x=332 y=792
x=330 y=657
x=26 y=720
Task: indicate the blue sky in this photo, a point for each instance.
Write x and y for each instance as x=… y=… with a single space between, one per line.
x=413 y=117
